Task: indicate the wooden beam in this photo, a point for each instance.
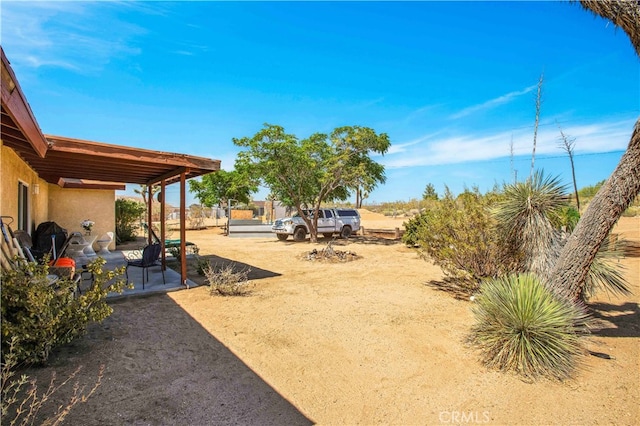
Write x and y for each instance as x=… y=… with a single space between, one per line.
x=90 y=184
x=79 y=146
x=166 y=176
x=183 y=230
x=14 y=104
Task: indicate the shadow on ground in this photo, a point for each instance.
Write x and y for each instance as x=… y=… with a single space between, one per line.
x=162 y=367
x=452 y=287
x=616 y=320
x=218 y=263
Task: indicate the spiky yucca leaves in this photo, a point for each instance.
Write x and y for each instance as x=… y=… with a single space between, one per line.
x=530 y=215
x=521 y=326
x=605 y=273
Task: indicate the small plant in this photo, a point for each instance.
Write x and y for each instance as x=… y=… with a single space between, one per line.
x=202 y=263
x=175 y=252
x=87 y=225
x=40 y=316
x=226 y=281
x=521 y=326
x=21 y=401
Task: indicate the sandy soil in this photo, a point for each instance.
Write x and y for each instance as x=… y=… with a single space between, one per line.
x=365 y=342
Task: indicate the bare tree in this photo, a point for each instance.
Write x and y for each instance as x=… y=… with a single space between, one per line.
x=617 y=193
x=567 y=144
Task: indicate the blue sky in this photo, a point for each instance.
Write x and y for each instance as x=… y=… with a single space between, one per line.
x=453 y=84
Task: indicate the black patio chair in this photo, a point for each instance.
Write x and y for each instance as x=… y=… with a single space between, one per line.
x=150 y=257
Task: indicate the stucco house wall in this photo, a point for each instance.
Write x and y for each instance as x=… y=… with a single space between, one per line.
x=14 y=170
x=67 y=207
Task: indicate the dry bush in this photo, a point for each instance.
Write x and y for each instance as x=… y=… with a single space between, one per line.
x=23 y=404
x=329 y=254
x=225 y=281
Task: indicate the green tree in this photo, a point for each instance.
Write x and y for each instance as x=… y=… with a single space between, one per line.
x=303 y=174
x=430 y=192
x=221 y=186
x=127 y=214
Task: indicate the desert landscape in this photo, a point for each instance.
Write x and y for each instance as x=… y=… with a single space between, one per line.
x=371 y=341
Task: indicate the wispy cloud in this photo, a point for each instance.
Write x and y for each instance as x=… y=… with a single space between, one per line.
x=69 y=35
x=435 y=149
x=492 y=103
x=402 y=147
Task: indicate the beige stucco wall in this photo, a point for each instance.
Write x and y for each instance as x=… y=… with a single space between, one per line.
x=67 y=207
x=12 y=171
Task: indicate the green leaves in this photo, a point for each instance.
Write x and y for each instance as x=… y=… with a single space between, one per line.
x=36 y=317
x=523 y=327
x=305 y=173
x=220 y=186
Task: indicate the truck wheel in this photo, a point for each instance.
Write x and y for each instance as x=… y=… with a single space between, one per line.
x=299 y=234
x=327 y=235
x=282 y=237
x=345 y=232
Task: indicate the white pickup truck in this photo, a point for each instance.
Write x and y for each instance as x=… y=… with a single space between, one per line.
x=330 y=222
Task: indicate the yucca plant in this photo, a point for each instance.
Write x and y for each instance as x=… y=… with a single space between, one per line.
x=522 y=326
x=530 y=216
x=605 y=273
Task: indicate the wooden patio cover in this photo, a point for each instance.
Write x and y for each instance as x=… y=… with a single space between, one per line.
x=75 y=163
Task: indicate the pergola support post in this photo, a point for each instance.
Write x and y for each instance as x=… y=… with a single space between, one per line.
x=183 y=229
x=149 y=217
x=163 y=217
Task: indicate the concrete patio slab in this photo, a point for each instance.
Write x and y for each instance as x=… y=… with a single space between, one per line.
x=154 y=284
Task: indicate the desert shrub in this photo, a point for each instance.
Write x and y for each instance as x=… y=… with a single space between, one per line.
x=459 y=235
x=414 y=227
x=521 y=326
x=127 y=214
x=225 y=281
x=22 y=402
x=176 y=253
x=568 y=218
x=201 y=264
x=39 y=316
x=590 y=191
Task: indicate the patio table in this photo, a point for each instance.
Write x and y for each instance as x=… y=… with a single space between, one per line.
x=88 y=250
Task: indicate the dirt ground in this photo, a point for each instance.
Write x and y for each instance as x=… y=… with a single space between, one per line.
x=370 y=341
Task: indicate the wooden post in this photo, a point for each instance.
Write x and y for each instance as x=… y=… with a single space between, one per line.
x=397 y=234
x=183 y=229
x=149 y=207
x=163 y=234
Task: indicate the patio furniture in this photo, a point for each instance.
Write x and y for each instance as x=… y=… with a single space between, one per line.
x=77 y=245
x=21 y=245
x=190 y=248
x=88 y=250
x=150 y=257
x=104 y=241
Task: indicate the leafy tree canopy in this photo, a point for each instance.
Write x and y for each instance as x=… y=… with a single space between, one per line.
x=221 y=186
x=302 y=174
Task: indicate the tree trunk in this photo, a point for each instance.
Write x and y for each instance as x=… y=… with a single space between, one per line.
x=623 y=13
x=572 y=267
